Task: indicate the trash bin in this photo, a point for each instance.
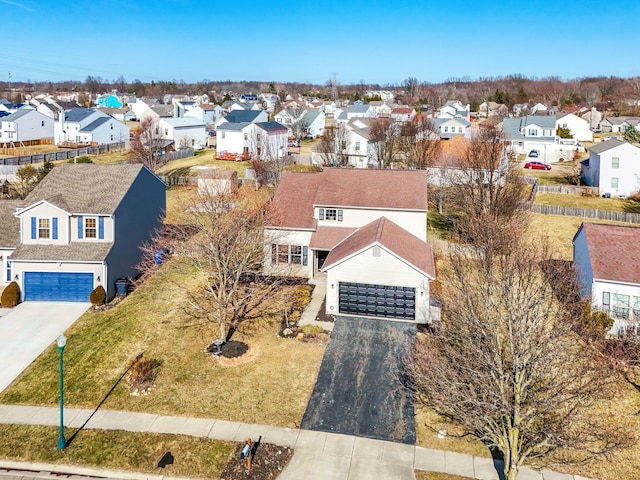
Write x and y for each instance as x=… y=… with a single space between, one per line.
x=607 y=195
x=121 y=286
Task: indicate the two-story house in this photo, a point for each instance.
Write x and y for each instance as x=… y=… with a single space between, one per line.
x=579 y=127
x=242 y=141
x=531 y=132
x=82 y=226
x=185 y=132
x=455 y=109
x=89 y=126
x=606 y=258
x=449 y=128
x=24 y=125
x=614 y=167
x=365 y=230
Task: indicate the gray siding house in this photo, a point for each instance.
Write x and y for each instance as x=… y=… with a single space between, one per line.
x=81 y=227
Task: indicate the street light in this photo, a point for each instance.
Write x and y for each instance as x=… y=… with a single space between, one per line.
x=62 y=443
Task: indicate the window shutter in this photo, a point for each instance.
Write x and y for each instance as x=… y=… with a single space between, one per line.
x=274 y=253
x=54 y=228
x=100 y=228
x=80 y=226
x=34 y=228
x=339 y=215
x=321 y=216
x=305 y=255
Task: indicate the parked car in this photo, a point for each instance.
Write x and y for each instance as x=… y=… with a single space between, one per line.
x=534 y=154
x=537 y=166
x=294 y=143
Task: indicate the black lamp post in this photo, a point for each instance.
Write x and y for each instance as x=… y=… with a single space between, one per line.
x=62 y=443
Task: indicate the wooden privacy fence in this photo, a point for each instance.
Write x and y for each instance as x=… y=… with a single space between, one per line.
x=62 y=154
x=172 y=181
x=569 y=189
x=587 y=213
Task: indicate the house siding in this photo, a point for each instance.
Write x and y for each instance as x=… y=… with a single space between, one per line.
x=138 y=215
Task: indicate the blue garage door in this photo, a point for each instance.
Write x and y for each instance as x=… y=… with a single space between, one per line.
x=57 y=287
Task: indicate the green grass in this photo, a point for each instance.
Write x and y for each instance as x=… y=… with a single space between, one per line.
x=119 y=450
x=597 y=203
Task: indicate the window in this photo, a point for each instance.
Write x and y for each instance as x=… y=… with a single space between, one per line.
x=112 y=138
x=357 y=146
x=90 y=227
x=222 y=136
x=331 y=214
x=8 y=271
x=246 y=136
x=446 y=129
x=44 y=228
x=533 y=132
x=606 y=301
x=111 y=126
x=459 y=129
x=42 y=123
x=620 y=305
x=166 y=131
x=615 y=162
x=296 y=254
x=636 y=308
x=614 y=182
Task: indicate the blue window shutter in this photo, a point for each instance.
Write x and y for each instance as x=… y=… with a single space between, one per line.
x=305 y=255
x=54 y=228
x=34 y=233
x=322 y=214
x=339 y=215
x=80 y=226
x=100 y=228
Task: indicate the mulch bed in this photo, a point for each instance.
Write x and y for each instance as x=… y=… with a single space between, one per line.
x=230 y=349
x=323 y=316
x=268 y=462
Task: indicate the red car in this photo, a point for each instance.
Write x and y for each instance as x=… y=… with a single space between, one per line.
x=537 y=166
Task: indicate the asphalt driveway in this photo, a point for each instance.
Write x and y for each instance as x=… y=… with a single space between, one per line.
x=28 y=329
x=357 y=391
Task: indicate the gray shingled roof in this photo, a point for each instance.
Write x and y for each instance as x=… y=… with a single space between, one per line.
x=74 y=251
x=606 y=145
x=78 y=114
x=232 y=126
x=239 y=116
x=309 y=118
x=358 y=108
x=85 y=188
x=17 y=114
x=272 y=126
x=95 y=124
x=9 y=224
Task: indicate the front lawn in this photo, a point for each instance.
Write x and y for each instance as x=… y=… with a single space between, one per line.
x=269 y=385
x=596 y=203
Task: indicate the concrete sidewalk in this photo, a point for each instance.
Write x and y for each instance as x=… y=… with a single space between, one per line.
x=310 y=313
x=318 y=455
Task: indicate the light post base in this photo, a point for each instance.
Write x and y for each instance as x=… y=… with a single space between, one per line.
x=62 y=443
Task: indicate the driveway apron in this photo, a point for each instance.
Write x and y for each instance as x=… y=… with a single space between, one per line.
x=28 y=329
x=357 y=391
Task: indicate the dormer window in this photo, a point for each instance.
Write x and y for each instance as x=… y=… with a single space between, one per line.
x=44 y=228
x=90 y=227
x=330 y=214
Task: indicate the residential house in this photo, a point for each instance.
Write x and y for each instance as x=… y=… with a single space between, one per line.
x=89 y=126
x=270 y=141
x=365 y=230
x=184 y=132
x=82 y=226
x=619 y=124
x=243 y=116
x=24 y=125
x=356 y=111
x=232 y=140
x=579 y=128
x=493 y=109
x=455 y=109
x=593 y=116
x=208 y=113
x=241 y=141
x=383 y=109
x=313 y=123
x=109 y=101
x=449 y=128
x=402 y=114
x=606 y=258
x=538 y=109
x=157 y=111
x=530 y=132
x=289 y=116
x=120 y=114
x=614 y=167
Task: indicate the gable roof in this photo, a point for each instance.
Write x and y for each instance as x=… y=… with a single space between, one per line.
x=183 y=122
x=614 y=251
x=272 y=127
x=9 y=224
x=239 y=116
x=95 y=124
x=86 y=188
x=233 y=126
x=392 y=237
x=358 y=108
x=78 y=114
x=607 y=145
x=18 y=114
x=298 y=193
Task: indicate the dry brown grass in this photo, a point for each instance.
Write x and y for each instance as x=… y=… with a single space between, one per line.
x=428 y=423
x=579 y=201
x=421 y=475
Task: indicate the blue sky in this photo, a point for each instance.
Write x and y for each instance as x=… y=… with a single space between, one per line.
x=372 y=41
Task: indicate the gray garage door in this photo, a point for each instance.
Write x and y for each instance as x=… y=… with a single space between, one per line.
x=369 y=300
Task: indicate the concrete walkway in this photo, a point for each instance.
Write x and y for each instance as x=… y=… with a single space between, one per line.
x=310 y=313
x=318 y=455
x=28 y=329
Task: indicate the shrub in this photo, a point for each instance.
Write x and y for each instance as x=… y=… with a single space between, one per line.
x=596 y=320
x=82 y=159
x=10 y=295
x=143 y=374
x=301 y=297
x=98 y=296
x=311 y=329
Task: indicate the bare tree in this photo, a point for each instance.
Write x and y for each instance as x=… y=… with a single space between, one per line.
x=297 y=125
x=147 y=143
x=419 y=142
x=222 y=246
x=334 y=145
x=268 y=150
x=505 y=364
x=411 y=85
x=383 y=135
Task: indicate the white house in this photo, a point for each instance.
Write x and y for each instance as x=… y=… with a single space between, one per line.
x=606 y=258
x=206 y=113
x=242 y=141
x=492 y=109
x=313 y=123
x=365 y=230
x=289 y=116
x=185 y=132
x=452 y=127
x=619 y=124
x=25 y=124
x=614 y=167
x=453 y=109
x=356 y=111
x=530 y=132
x=243 y=116
x=580 y=128
x=233 y=140
x=89 y=126
x=402 y=114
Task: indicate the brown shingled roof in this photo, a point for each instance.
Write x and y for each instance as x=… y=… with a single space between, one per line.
x=85 y=188
x=614 y=251
x=390 y=236
x=325 y=238
x=299 y=192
